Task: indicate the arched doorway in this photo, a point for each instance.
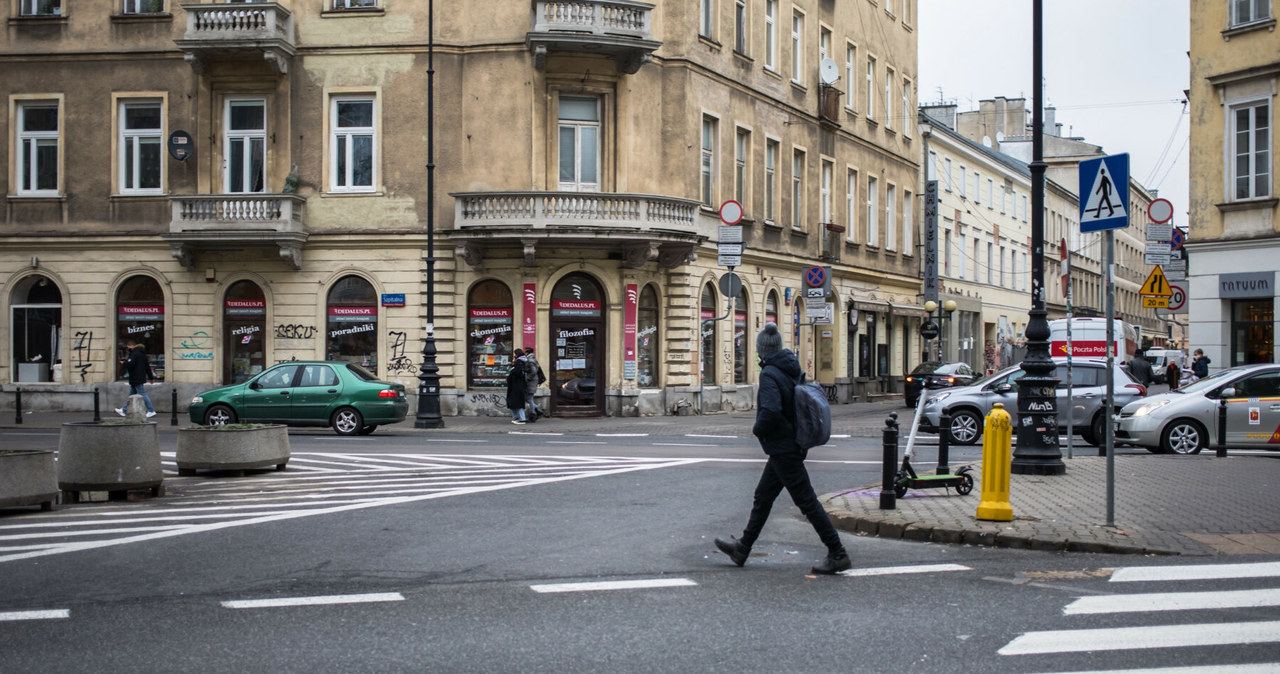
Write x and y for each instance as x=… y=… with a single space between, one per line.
x=244 y=327
x=36 y=324
x=140 y=317
x=490 y=340
x=578 y=346
x=352 y=323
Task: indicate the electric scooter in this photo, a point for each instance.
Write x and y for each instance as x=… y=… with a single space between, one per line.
x=906 y=478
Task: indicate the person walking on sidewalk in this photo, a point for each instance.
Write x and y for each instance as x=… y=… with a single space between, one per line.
x=533 y=377
x=775 y=428
x=138 y=368
x=516 y=388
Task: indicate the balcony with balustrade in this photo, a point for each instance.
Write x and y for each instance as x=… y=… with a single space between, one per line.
x=231 y=221
x=634 y=228
x=616 y=28
x=238 y=31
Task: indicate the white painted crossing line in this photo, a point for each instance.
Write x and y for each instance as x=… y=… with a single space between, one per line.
x=1257 y=668
x=723 y=437
x=613 y=585
x=48 y=614
x=315 y=601
x=1173 y=601
x=894 y=570
x=1130 y=574
x=1138 y=638
x=622 y=435
x=576 y=442
x=680 y=444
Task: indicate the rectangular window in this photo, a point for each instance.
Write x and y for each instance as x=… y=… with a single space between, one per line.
x=740 y=26
x=889 y=78
x=245 y=140
x=1023 y=279
x=353 y=143
x=771 y=34
x=1004 y=200
x=1024 y=208
x=707 y=18
x=140 y=143
x=797 y=48
x=991 y=267
x=906 y=11
x=742 y=148
x=1003 y=282
x=963 y=259
x=976 y=243
x=908 y=216
x=909 y=120
x=797 y=189
x=871 y=87
x=991 y=191
x=850 y=62
x=890 y=219
x=354 y=4
x=708 y=165
x=977 y=187
x=1248 y=11
x=873 y=206
x=1251 y=150
x=40 y=8
x=143 y=6
x=964 y=177
x=579 y=161
x=1013 y=264
x=771 y=180
x=946 y=248
x=828 y=171
x=852 y=204
x=946 y=173
x=37 y=156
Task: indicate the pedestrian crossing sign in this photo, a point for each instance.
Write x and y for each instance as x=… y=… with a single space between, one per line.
x=1156 y=284
x=1104 y=193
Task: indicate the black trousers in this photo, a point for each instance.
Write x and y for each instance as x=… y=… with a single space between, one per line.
x=787 y=470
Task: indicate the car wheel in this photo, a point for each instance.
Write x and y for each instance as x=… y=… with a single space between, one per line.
x=1096 y=435
x=347 y=421
x=966 y=427
x=365 y=430
x=1184 y=436
x=219 y=415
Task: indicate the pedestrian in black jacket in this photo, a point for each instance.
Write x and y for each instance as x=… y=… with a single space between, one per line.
x=516 y=388
x=1140 y=369
x=775 y=428
x=138 y=368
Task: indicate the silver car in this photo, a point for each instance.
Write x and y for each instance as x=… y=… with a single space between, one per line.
x=1185 y=421
x=969 y=405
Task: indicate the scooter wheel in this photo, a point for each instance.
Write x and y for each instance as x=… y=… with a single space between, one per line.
x=966 y=484
x=900 y=487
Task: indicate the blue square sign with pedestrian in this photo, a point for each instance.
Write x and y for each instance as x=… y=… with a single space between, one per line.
x=1104 y=193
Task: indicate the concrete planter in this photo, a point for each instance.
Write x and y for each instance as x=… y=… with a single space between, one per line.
x=109 y=456
x=230 y=448
x=28 y=477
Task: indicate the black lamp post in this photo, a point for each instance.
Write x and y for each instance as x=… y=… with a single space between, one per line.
x=1037 y=451
x=429 y=374
x=949 y=306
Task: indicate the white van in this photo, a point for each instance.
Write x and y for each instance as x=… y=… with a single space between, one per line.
x=1159 y=359
x=1089 y=338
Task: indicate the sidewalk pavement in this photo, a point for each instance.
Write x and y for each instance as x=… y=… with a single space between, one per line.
x=1163 y=504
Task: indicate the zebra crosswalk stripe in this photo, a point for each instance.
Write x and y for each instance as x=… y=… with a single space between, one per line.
x=1131 y=574
x=1138 y=638
x=1173 y=601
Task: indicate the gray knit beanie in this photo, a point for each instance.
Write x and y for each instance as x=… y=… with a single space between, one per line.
x=768 y=341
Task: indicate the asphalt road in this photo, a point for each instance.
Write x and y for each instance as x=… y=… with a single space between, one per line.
x=453 y=553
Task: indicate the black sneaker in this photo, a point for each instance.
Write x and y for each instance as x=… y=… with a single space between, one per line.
x=735 y=549
x=833 y=564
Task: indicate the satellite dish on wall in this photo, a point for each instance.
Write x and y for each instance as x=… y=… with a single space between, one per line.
x=828 y=72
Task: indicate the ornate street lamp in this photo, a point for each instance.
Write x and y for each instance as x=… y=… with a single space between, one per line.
x=429 y=375
x=949 y=306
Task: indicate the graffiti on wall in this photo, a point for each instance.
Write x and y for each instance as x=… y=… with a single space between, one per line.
x=295 y=331
x=193 y=347
x=398 y=363
x=498 y=399
x=84 y=342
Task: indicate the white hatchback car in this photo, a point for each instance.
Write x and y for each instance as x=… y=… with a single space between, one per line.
x=1185 y=421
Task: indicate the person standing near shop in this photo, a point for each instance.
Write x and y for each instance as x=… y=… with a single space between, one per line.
x=516 y=388
x=138 y=369
x=533 y=377
x=775 y=428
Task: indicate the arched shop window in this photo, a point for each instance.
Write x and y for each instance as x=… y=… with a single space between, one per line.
x=647 y=338
x=489 y=334
x=707 y=326
x=140 y=317
x=244 y=328
x=771 y=307
x=351 y=329
x=36 y=320
x=740 y=336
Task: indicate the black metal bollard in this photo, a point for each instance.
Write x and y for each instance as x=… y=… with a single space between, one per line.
x=173 y=405
x=96 y=416
x=888 y=499
x=1222 y=427
x=17 y=406
x=944 y=444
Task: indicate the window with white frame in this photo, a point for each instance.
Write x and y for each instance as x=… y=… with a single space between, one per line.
x=40 y=7
x=824 y=45
x=1013 y=264
x=873 y=208
x=143 y=6
x=908 y=215
x=797 y=48
x=991 y=191
x=946 y=246
x=991 y=267
x=1024 y=208
x=1250 y=161
x=579 y=161
x=1003 y=282
x=771 y=34
x=1248 y=11
x=742 y=149
x=740 y=26
x=828 y=170
x=797 y=189
x=852 y=204
x=354 y=4
x=850 y=62
x=963 y=269
x=907 y=108
x=37 y=151
x=963 y=182
x=245 y=140
x=906 y=11
x=707 y=18
x=1004 y=201
x=1023 y=279
x=140 y=146
x=708 y=164
x=889 y=78
x=946 y=173
x=890 y=219
x=353 y=144
x=871 y=87
x=771 y=180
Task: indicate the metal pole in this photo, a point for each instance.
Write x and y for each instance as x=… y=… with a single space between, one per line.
x=1071 y=431
x=944 y=444
x=1109 y=445
x=17 y=406
x=1222 y=428
x=96 y=415
x=173 y=405
x=889 y=467
x=1037 y=452
x=429 y=375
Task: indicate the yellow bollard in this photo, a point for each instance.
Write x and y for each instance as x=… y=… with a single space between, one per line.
x=997 y=453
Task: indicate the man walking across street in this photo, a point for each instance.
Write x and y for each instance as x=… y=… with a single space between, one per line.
x=775 y=428
x=1141 y=370
x=138 y=368
x=533 y=377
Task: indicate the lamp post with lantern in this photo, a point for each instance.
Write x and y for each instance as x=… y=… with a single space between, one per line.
x=931 y=306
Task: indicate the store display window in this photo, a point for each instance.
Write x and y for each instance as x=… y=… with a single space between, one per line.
x=244 y=325
x=708 y=331
x=740 y=337
x=351 y=323
x=647 y=338
x=140 y=317
x=489 y=335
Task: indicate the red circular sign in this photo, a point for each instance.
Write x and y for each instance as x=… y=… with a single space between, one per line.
x=731 y=212
x=815 y=277
x=1160 y=211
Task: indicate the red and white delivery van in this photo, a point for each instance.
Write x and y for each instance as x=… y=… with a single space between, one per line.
x=1089 y=338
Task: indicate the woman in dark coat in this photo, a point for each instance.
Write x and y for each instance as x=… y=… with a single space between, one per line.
x=1172 y=374
x=516 y=394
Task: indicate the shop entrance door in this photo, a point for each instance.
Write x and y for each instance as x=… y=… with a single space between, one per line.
x=576 y=367
x=244 y=325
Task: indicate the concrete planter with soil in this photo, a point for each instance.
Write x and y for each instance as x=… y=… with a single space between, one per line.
x=110 y=456
x=232 y=447
x=28 y=477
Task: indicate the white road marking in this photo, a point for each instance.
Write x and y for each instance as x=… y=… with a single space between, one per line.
x=576 y=442
x=1259 y=668
x=456 y=441
x=1130 y=574
x=622 y=435
x=1173 y=601
x=725 y=437
x=547 y=433
x=1136 y=638
x=680 y=444
x=893 y=570
x=49 y=614
x=613 y=585
x=315 y=601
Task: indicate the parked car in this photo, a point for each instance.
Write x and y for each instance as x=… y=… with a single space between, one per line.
x=342 y=395
x=1185 y=421
x=969 y=405
x=935 y=374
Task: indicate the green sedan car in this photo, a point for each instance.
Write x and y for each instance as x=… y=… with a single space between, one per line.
x=306 y=393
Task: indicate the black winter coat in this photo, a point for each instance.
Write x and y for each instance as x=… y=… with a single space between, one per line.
x=516 y=387
x=775 y=404
x=138 y=367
